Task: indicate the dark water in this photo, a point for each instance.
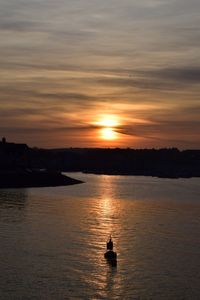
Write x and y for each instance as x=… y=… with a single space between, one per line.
x=52 y=240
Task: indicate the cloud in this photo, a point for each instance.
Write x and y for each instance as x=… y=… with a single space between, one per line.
x=182 y=75
x=68 y=61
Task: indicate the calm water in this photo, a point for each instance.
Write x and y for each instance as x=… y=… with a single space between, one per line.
x=52 y=240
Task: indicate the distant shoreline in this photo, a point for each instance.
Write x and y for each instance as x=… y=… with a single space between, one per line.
x=164 y=176
x=26 y=179
x=28 y=163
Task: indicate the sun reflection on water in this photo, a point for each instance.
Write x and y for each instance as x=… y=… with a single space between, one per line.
x=104 y=220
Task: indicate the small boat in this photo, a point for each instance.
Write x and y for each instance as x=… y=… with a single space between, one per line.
x=110 y=255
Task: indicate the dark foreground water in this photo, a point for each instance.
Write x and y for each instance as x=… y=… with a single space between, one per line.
x=52 y=240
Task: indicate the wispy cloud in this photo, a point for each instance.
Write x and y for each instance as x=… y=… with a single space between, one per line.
x=66 y=62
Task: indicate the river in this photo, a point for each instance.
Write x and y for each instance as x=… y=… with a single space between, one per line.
x=52 y=240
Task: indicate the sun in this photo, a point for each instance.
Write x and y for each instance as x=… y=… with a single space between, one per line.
x=108 y=134
x=108 y=122
x=107 y=126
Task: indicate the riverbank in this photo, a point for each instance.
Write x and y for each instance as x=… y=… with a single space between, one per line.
x=159 y=174
x=30 y=178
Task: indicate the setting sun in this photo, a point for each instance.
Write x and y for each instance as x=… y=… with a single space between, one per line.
x=108 y=134
x=108 y=121
x=107 y=125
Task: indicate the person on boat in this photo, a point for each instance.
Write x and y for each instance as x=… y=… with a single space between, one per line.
x=110 y=244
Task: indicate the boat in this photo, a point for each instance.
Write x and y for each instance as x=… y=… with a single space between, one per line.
x=110 y=255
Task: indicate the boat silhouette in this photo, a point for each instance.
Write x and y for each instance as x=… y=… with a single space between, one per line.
x=110 y=255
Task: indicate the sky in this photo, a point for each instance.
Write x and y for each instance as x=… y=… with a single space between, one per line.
x=100 y=73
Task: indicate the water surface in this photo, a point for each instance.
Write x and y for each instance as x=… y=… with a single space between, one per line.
x=53 y=239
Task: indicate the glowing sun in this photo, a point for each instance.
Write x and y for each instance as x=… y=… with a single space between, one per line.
x=108 y=125
x=108 y=133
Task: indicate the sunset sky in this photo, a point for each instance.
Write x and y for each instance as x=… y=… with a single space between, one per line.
x=100 y=73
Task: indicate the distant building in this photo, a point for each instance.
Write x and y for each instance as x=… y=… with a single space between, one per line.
x=12 y=156
x=3 y=140
x=7 y=148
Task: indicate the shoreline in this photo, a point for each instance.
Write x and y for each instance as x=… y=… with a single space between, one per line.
x=149 y=174
x=28 y=179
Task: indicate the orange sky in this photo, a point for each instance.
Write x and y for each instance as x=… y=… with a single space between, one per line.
x=68 y=67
